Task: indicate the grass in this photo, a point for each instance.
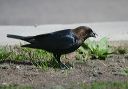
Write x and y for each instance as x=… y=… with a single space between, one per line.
x=94 y=49
x=4 y=53
x=124 y=71
x=100 y=85
x=14 y=87
x=94 y=85
x=109 y=85
x=39 y=58
x=121 y=50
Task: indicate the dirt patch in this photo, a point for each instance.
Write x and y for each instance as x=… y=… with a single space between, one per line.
x=112 y=69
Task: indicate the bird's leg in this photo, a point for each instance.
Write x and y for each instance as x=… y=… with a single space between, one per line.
x=67 y=63
x=62 y=66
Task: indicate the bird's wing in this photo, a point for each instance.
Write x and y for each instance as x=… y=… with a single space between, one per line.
x=57 y=40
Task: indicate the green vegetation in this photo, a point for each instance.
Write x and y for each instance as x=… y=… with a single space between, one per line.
x=98 y=85
x=94 y=85
x=4 y=53
x=14 y=87
x=109 y=85
x=94 y=49
x=121 y=50
x=39 y=58
x=125 y=71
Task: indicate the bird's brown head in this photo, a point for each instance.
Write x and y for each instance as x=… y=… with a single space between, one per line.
x=83 y=32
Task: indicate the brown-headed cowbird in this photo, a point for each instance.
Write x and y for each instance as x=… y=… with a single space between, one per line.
x=59 y=42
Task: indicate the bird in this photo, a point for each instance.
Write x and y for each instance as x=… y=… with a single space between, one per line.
x=58 y=42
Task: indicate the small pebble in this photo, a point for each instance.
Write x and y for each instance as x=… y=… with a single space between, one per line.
x=18 y=67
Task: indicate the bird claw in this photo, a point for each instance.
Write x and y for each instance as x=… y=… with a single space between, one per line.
x=65 y=66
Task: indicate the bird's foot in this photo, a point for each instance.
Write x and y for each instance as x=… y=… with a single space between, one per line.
x=65 y=66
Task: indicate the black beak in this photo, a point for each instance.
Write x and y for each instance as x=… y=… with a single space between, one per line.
x=93 y=34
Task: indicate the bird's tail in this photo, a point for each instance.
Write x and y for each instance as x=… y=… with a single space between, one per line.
x=15 y=36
